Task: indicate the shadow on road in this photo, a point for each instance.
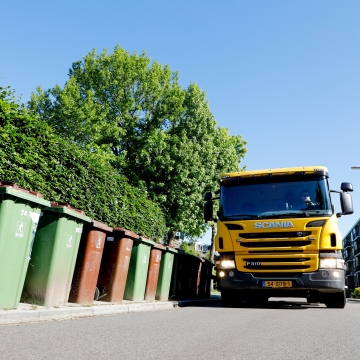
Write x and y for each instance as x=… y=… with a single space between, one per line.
x=273 y=303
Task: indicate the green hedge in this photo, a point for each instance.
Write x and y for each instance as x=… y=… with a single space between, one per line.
x=34 y=157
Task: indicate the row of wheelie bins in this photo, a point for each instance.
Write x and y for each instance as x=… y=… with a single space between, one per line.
x=52 y=253
x=191 y=277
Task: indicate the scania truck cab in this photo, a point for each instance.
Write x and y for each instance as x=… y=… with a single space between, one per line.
x=278 y=236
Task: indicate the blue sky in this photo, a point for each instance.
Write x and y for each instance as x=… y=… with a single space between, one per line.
x=283 y=74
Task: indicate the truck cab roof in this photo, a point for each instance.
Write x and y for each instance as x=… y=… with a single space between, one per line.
x=305 y=170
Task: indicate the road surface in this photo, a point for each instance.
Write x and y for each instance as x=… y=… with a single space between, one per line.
x=282 y=329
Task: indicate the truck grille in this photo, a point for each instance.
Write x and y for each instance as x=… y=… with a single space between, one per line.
x=274 y=251
x=251 y=263
x=264 y=275
x=275 y=244
x=277 y=241
x=276 y=259
x=278 y=267
x=266 y=263
x=272 y=235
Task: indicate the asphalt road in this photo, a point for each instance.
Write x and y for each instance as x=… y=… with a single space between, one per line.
x=289 y=329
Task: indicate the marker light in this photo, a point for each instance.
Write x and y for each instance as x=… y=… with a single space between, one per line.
x=316 y=223
x=221 y=274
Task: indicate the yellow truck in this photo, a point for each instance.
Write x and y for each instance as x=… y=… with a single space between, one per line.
x=278 y=236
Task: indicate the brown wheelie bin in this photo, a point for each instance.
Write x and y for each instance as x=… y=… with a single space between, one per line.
x=153 y=271
x=194 y=264
x=115 y=265
x=205 y=279
x=198 y=279
x=88 y=262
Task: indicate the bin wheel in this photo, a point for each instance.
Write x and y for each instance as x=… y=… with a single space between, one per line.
x=336 y=300
x=97 y=294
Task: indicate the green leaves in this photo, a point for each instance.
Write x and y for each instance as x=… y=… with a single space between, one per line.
x=184 y=160
x=34 y=157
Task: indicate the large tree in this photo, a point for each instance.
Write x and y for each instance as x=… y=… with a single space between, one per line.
x=113 y=102
x=162 y=137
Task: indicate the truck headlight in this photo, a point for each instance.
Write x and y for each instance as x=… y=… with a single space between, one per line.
x=331 y=263
x=227 y=264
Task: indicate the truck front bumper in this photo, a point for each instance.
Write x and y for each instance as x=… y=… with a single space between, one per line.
x=322 y=281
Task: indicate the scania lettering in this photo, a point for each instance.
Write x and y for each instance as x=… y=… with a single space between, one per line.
x=273 y=224
x=278 y=236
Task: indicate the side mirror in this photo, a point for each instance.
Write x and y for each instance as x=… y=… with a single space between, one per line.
x=208 y=210
x=345 y=186
x=346 y=203
x=208 y=196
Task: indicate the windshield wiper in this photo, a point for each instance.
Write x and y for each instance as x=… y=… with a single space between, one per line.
x=240 y=216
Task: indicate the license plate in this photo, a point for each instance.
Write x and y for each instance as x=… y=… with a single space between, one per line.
x=277 y=284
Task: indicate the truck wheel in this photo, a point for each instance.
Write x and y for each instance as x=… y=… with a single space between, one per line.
x=337 y=300
x=312 y=299
x=258 y=300
x=227 y=298
x=231 y=298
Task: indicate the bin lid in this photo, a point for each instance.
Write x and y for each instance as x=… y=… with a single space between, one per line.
x=101 y=226
x=159 y=246
x=65 y=208
x=208 y=261
x=171 y=249
x=145 y=240
x=126 y=233
x=10 y=188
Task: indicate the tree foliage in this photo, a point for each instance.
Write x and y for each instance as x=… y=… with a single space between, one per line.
x=34 y=157
x=188 y=248
x=162 y=137
x=112 y=101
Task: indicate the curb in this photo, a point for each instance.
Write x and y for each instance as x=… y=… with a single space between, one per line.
x=351 y=299
x=20 y=316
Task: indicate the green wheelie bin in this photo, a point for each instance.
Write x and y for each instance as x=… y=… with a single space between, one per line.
x=20 y=210
x=175 y=277
x=164 y=280
x=138 y=269
x=51 y=268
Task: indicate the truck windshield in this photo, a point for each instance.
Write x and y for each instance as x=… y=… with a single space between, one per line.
x=274 y=198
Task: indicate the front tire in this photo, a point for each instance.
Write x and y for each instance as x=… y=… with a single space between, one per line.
x=231 y=298
x=336 y=300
